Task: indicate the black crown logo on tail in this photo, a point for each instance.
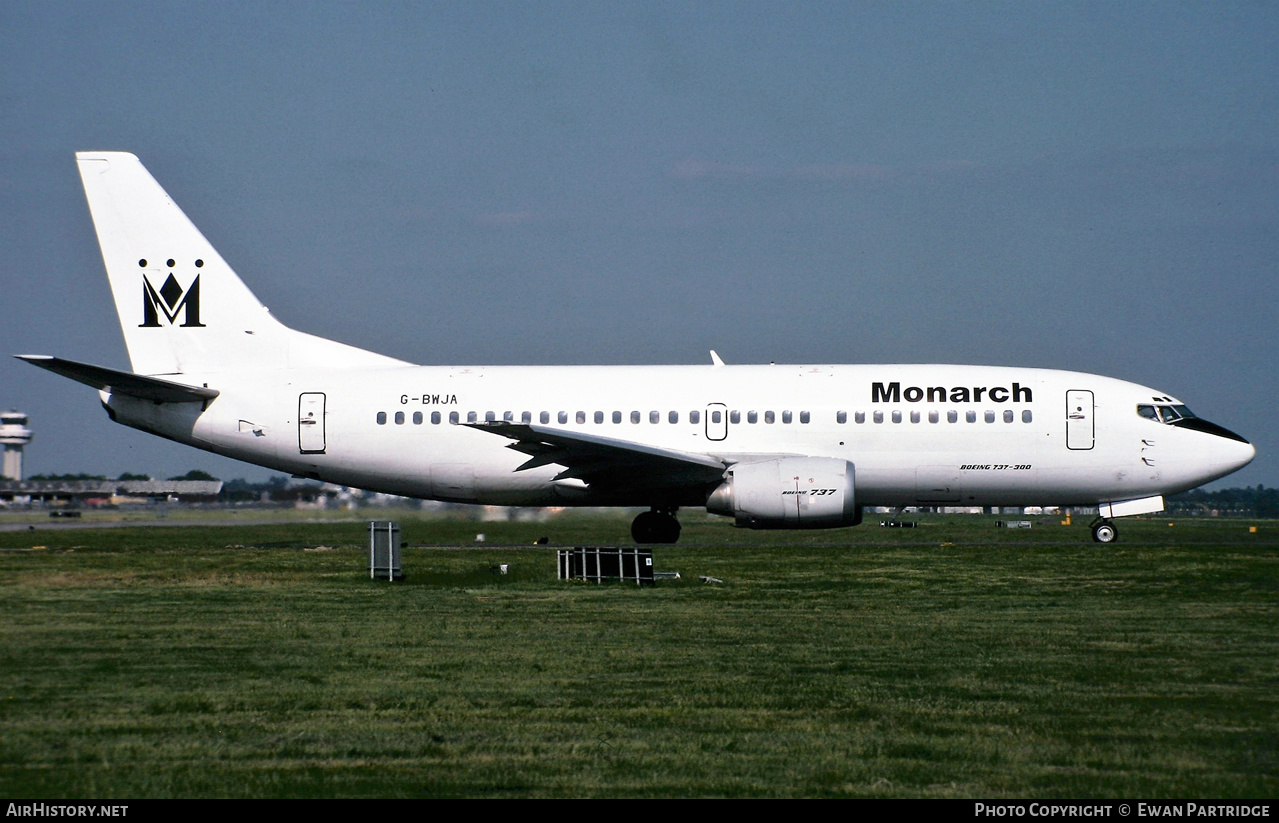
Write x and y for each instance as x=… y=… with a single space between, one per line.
x=169 y=301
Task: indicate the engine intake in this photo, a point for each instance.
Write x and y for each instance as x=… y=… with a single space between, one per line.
x=788 y=493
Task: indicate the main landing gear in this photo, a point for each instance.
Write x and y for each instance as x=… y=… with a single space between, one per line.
x=656 y=526
x=1103 y=531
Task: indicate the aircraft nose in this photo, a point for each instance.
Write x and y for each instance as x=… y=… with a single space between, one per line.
x=1246 y=452
x=1232 y=455
x=1224 y=450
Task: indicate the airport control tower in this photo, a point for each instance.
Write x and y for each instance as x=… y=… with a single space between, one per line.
x=14 y=434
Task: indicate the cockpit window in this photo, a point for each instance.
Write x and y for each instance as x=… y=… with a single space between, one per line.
x=1164 y=414
x=1178 y=416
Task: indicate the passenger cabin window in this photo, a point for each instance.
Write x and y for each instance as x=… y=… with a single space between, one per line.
x=673 y=417
x=879 y=417
x=417 y=418
x=381 y=418
x=435 y=418
x=752 y=417
x=599 y=417
x=399 y=418
x=971 y=417
x=952 y=417
x=695 y=417
x=655 y=417
x=562 y=417
x=580 y=417
x=617 y=417
x=544 y=417
x=786 y=417
x=1026 y=416
x=859 y=417
x=841 y=417
x=734 y=417
x=453 y=418
x=804 y=417
x=769 y=417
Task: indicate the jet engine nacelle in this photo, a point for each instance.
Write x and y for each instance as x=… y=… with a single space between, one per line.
x=788 y=493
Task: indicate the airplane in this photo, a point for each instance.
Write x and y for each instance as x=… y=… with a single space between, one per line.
x=772 y=446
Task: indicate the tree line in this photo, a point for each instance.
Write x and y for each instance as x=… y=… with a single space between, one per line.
x=1245 y=502
x=194 y=474
x=1248 y=501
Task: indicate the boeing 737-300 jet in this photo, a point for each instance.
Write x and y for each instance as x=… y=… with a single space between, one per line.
x=770 y=446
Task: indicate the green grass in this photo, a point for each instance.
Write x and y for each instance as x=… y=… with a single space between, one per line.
x=952 y=660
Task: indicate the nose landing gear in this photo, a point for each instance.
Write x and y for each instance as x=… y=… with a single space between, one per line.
x=1103 y=531
x=656 y=526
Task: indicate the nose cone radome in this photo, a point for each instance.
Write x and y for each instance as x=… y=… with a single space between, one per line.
x=1226 y=455
x=1214 y=450
x=1241 y=455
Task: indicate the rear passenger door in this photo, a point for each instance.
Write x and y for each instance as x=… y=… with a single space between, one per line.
x=311 y=423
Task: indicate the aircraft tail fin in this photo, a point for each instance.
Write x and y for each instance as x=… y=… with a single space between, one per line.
x=181 y=307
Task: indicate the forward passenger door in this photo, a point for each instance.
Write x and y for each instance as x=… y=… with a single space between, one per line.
x=1079 y=420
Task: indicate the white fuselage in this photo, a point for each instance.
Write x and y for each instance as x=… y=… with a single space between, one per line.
x=917 y=434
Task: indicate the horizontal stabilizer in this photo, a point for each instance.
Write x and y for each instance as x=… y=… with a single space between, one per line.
x=119 y=382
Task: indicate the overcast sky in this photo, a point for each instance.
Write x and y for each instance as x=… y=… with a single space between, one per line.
x=1088 y=186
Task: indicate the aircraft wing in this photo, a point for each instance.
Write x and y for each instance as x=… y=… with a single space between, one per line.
x=120 y=382
x=605 y=461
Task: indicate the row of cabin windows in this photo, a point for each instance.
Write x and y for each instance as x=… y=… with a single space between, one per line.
x=695 y=417
x=455 y=418
x=935 y=417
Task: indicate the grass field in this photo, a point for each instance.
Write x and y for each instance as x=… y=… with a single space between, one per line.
x=951 y=660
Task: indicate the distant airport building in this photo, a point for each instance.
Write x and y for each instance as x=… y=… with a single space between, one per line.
x=14 y=434
x=108 y=492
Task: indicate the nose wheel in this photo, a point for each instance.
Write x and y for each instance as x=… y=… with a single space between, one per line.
x=1103 y=531
x=655 y=527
